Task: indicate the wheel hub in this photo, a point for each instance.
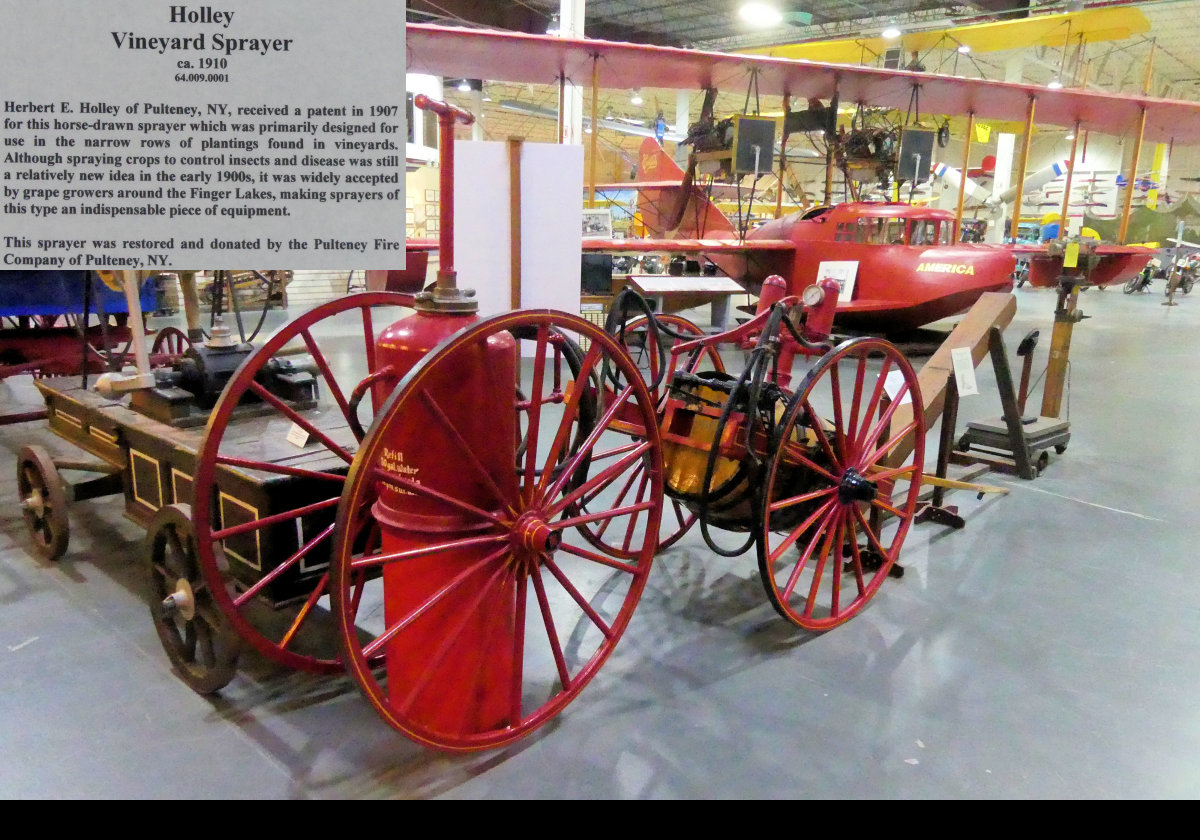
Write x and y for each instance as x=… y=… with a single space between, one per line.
x=35 y=503
x=855 y=488
x=532 y=534
x=181 y=602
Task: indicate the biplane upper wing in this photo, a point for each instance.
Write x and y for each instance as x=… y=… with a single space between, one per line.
x=687 y=246
x=543 y=59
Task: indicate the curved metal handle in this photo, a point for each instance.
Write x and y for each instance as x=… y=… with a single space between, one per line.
x=443 y=109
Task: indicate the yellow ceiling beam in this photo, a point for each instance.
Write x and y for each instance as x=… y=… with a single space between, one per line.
x=1046 y=30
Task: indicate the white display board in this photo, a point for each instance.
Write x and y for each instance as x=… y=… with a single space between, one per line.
x=143 y=134
x=551 y=224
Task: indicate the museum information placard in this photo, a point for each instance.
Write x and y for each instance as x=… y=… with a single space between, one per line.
x=155 y=135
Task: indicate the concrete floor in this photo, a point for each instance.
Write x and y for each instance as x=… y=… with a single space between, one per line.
x=1047 y=650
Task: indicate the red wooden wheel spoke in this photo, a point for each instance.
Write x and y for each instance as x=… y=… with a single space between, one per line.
x=375 y=560
x=872 y=537
x=605 y=516
x=620 y=498
x=615 y=451
x=636 y=510
x=860 y=438
x=801 y=530
x=801 y=499
x=838 y=423
x=573 y=464
x=424 y=607
x=369 y=348
x=878 y=429
x=300 y=421
x=818 y=430
x=270 y=576
x=423 y=490
x=278 y=469
x=566 y=584
x=794 y=453
x=302 y=615
x=462 y=446
x=599 y=558
x=855 y=562
x=518 y=651
x=882 y=505
x=879 y=474
x=560 y=662
x=836 y=571
x=570 y=413
x=860 y=376
x=273 y=519
x=602 y=480
x=892 y=443
x=452 y=636
x=537 y=381
x=326 y=374
x=807 y=553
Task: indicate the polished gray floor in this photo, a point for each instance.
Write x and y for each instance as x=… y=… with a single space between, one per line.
x=1047 y=650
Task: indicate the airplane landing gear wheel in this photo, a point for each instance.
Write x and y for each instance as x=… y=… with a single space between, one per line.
x=841 y=493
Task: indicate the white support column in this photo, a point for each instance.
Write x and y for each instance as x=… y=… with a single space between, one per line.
x=570 y=25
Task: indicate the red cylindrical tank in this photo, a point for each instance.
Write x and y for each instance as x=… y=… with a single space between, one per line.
x=454 y=665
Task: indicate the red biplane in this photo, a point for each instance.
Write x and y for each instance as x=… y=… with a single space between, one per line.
x=537 y=59
x=897 y=264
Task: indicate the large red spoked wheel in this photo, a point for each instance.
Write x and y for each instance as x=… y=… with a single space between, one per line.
x=650 y=350
x=488 y=608
x=842 y=489
x=266 y=562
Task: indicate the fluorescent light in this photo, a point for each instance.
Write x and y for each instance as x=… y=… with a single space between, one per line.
x=757 y=13
x=1055 y=84
x=1070 y=136
x=891 y=32
x=963 y=48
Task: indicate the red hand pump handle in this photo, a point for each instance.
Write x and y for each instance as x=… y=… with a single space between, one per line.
x=447 y=115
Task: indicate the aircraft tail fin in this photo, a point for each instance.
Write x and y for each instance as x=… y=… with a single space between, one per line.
x=683 y=211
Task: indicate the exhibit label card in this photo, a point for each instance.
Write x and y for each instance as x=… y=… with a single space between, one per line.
x=156 y=135
x=964 y=371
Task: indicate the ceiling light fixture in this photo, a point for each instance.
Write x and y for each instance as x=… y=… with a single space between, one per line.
x=891 y=32
x=1070 y=136
x=552 y=26
x=1055 y=84
x=636 y=97
x=758 y=13
x=964 y=48
x=464 y=86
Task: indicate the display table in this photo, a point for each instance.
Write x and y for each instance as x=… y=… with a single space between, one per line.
x=674 y=293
